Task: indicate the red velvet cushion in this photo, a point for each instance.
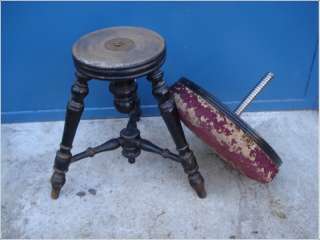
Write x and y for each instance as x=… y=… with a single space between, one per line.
x=230 y=137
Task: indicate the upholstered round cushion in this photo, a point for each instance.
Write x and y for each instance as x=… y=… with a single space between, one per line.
x=230 y=137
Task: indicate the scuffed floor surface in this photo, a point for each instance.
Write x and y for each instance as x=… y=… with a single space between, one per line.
x=106 y=197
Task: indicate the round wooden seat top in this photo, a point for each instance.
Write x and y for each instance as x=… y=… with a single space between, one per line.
x=119 y=53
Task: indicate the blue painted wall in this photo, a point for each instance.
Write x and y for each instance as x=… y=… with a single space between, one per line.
x=223 y=46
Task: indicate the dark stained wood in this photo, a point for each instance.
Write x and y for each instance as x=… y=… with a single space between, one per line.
x=74 y=111
x=123 y=86
x=170 y=116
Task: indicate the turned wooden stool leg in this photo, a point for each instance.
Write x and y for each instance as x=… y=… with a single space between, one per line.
x=74 y=111
x=169 y=114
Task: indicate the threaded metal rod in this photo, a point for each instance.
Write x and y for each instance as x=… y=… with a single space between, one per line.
x=245 y=103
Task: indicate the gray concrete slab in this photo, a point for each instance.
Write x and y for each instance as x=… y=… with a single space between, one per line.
x=152 y=198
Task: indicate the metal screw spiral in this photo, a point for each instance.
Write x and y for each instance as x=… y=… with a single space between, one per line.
x=254 y=93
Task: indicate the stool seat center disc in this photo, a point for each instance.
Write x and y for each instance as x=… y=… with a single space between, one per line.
x=119 y=44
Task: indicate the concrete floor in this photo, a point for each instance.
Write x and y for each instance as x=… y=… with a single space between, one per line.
x=105 y=197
